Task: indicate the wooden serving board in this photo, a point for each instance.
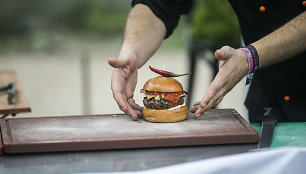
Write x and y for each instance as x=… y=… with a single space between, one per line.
x=1 y=146
x=20 y=103
x=98 y=132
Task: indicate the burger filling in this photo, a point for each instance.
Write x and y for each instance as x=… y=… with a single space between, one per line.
x=160 y=100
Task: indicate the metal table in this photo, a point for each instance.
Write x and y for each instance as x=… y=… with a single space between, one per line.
x=113 y=160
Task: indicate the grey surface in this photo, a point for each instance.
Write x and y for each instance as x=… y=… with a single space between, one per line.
x=113 y=160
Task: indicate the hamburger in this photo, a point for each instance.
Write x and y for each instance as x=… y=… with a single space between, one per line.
x=164 y=100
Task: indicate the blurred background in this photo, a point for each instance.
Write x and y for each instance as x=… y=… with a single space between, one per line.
x=59 y=50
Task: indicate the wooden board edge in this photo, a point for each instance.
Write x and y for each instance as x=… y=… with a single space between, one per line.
x=247 y=125
x=122 y=144
x=1 y=143
x=1 y=146
x=18 y=111
x=5 y=133
x=62 y=116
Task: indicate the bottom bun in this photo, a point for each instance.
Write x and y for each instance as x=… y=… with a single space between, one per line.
x=165 y=116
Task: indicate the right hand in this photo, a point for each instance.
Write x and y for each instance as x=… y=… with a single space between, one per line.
x=123 y=83
x=233 y=66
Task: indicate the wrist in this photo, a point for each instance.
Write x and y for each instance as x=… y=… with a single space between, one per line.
x=243 y=62
x=127 y=55
x=130 y=52
x=252 y=60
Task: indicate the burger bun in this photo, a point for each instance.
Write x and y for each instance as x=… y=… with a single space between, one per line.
x=166 y=115
x=163 y=84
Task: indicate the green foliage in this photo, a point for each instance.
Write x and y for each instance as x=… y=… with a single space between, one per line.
x=103 y=17
x=106 y=20
x=216 y=21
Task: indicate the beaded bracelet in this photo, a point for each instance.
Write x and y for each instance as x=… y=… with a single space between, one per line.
x=253 y=61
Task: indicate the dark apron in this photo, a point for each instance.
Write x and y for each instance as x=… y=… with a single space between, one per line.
x=272 y=86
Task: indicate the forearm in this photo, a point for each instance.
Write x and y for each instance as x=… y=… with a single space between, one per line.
x=143 y=34
x=285 y=42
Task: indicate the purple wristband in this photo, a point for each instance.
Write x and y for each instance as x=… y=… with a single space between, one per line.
x=255 y=56
x=253 y=61
x=249 y=58
x=253 y=65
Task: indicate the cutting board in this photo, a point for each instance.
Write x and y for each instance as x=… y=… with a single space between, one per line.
x=119 y=131
x=20 y=103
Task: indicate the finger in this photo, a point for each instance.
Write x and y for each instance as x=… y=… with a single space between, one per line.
x=221 y=63
x=139 y=113
x=127 y=111
x=215 y=100
x=194 y=108
x=213 y=89
x=130 y=86
x=224 y=53
x=131 y=112
x=121 y=101
x=197 y=103
x=198 y=112
x=219 y=54
x=119 y=92
x=124 y=105
x=117 y=63
x=134 y=105
x=119 y=96
x=220 y=99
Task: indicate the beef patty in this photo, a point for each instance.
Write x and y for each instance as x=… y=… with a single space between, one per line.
x=159 y=104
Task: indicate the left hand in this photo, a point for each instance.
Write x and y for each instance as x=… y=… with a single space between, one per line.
x=233 y=66
x=123 y=83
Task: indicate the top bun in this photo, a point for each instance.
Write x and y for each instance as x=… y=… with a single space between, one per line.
x=163 y=84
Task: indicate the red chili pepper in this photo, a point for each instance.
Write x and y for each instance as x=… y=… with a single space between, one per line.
x=166 y=73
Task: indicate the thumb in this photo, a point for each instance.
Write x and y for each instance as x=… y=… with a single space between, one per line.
x=224 y=53
x=117 y=63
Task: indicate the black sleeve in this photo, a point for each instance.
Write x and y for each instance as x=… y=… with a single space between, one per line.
x=169 y=11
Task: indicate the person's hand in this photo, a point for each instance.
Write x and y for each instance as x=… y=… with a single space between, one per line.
x=123 y=83
x=233 y=66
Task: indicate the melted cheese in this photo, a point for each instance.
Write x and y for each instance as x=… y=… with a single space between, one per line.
x=149 y=96
x=178 y=106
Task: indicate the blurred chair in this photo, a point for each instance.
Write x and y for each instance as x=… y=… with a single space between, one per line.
x=213 y=24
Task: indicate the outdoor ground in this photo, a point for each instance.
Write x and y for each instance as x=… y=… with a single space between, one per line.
x=54 y=84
